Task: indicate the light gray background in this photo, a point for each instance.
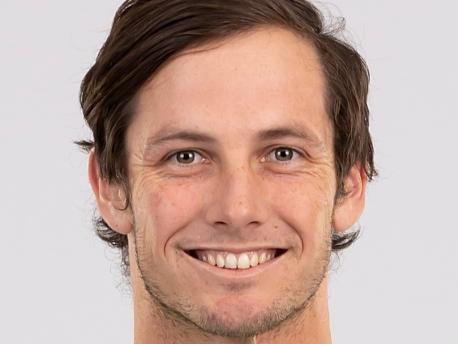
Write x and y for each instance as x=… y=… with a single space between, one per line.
x=398 y=284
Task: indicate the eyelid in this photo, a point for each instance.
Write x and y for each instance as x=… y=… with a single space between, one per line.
x=174 y=154
x=294 y=150
x=271 y=150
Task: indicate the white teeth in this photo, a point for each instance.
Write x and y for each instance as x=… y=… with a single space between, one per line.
x=228 y=260
x=262 y=258
x=244 y=261
x=254 y=260
x=231 y=261
x=211 y=259
x=219 y=261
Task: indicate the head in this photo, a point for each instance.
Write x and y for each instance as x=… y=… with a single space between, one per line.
x=227 y=126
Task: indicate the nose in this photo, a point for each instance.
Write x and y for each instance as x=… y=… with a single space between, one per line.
x=238 y=201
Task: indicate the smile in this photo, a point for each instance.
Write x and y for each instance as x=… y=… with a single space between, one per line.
x=236 y=261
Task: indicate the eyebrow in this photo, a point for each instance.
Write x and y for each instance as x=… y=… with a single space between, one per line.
x=170 y=134
x=282 y=132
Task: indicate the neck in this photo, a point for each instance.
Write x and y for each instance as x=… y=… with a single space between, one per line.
x=151 y=325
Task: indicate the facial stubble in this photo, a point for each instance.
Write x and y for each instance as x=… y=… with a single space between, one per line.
x=180 y=312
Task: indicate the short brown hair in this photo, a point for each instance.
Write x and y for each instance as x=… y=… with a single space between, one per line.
x=146 y=34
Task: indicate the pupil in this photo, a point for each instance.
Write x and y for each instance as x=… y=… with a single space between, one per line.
x=283 y=154
x=186 y=157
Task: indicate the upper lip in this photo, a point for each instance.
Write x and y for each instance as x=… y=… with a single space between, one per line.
x=235 y=249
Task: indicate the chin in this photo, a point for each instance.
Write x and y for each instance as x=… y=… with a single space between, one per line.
x=237 y=323
x=239 y=317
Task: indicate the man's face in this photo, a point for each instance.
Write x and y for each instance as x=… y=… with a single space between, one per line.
x=242 y=180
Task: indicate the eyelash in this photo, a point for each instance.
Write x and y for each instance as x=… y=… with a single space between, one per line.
x=294 y=151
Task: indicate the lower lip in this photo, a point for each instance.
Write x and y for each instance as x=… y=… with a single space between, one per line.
x=235 y=274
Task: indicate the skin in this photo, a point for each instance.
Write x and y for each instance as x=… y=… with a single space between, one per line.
x=232 y=192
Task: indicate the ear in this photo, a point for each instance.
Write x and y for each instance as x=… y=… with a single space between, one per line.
x=110 y=198
x=349 y=208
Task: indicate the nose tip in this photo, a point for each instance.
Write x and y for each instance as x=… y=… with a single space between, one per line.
x=237 y=201
x=238 y=215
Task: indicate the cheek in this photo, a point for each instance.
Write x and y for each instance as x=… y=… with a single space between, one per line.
x=163 y=208
x=306 y=207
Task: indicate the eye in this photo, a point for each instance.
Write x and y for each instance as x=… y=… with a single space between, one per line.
x=185 y=157
x=282 y=154
x=191 y=157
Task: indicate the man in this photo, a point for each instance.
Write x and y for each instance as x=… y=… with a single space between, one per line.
x=231 y=153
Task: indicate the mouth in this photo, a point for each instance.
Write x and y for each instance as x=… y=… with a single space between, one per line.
x=231 y=260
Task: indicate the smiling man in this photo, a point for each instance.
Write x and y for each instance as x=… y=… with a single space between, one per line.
x=230 y=154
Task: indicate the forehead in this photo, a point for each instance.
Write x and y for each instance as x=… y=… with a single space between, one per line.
x=258 y=79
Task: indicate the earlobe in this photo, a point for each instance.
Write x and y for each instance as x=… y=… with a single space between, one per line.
x=110 y=198
x=349 y=208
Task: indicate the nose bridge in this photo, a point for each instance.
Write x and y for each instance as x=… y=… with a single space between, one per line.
x=238 y=200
